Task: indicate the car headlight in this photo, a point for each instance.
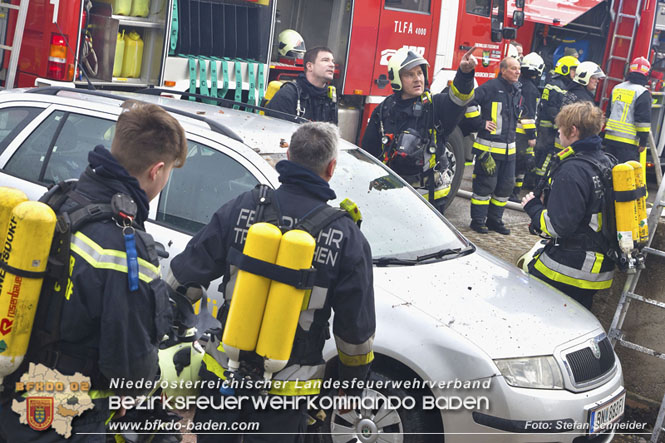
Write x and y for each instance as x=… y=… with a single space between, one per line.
x=531 y=372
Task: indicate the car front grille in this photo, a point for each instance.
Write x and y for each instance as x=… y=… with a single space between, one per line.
x=586 y=367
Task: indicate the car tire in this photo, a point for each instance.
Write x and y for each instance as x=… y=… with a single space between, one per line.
x=413 y=424
x=456 y=160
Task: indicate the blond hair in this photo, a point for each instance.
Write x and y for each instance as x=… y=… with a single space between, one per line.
x=146 y=134
x=585 y=116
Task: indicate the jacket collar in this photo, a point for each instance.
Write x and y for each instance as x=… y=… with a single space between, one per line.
x=106 y=177
x=291 y=173
x=589 y=144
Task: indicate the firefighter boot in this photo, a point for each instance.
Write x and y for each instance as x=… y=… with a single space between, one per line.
x=479 y=215
x=494 y=222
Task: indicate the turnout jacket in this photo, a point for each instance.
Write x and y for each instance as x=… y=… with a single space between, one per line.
x=436 y=118
x=303 y=99
x=550 y=102
x=577 y=93
x=106 y=330
x=629 y=113
x=527 y=122
x=343 y=283
x=572 y=217
x=500 y=102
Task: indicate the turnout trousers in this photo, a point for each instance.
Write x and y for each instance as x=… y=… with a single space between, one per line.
x=491 y=192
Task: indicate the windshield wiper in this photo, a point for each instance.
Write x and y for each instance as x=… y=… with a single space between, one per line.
x=448 y=252
x=386 y=261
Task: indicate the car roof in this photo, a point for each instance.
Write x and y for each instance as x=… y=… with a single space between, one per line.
x=266 y=135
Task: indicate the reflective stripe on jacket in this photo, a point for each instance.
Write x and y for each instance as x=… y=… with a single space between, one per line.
x=623 y=125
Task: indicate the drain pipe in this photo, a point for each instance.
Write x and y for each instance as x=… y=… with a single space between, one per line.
x=510 y=205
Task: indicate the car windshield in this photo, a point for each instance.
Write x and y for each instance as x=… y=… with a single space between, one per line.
x=396 y=222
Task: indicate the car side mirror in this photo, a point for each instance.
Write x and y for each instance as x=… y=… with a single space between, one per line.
x=519 y=4
x=510 y=33
x=518 y=18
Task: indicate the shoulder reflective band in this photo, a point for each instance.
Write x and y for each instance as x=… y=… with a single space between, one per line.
x=132 y=261
x=192 y=77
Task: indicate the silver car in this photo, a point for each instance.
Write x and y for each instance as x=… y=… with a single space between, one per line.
x=468 y=347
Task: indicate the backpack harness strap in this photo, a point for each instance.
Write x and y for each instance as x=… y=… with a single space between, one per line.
x=267 y=211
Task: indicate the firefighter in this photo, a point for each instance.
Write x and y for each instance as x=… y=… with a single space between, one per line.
x=408 y=130
x=112 y=319
x=499 y=101
x=547 y=142
x=571 y=210
x=532 y=68
x=343 y=283
x=585 y=82
x=311 y=95
x=629 y=115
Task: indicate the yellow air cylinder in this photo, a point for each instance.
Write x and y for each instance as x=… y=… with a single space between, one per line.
x=623 y=176
x=131 y=61
x=119 y=54
x=641 y=183
x=9 y=198
x=27 y=245
x=250 y=293
x=284 y=303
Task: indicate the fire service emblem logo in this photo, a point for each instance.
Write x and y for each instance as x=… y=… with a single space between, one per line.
x=40 y=412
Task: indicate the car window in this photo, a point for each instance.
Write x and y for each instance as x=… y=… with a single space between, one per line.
x=478 y=7
x=194 y=192
x=396 y=222
x=58 y=149
x=12 y=121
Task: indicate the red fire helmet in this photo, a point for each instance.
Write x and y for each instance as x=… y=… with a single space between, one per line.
x=640 y=65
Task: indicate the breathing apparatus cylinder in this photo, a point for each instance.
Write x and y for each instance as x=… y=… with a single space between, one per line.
x=250 y=293
x=9 y=198
x=27 y=244
x=640 y=183
x=623 y=176
x=284 y=303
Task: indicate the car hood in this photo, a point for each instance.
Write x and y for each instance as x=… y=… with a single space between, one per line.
x=495 y=305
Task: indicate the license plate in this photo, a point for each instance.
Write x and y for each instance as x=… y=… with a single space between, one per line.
x=604 y=415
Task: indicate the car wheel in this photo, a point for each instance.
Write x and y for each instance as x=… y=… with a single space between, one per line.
x=381 y=424
x=456 y=161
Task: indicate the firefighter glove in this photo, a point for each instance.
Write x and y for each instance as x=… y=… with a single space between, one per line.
x=487 y=163
x=530 y=163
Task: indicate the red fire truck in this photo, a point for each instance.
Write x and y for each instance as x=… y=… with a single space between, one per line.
x=227 y=48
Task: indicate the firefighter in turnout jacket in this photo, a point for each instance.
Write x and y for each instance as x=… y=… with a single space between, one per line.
x=112 y=317
x=343 y=283
x=499 y=103
x=585 y=82
x=310 y=95
x=629 y=115
x=550 y=103
x=525 y=140
x=408 y=130
x=571 y=212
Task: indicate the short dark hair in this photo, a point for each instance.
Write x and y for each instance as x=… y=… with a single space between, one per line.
x=314 y=145
x=146 y=134
x=312 y=54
